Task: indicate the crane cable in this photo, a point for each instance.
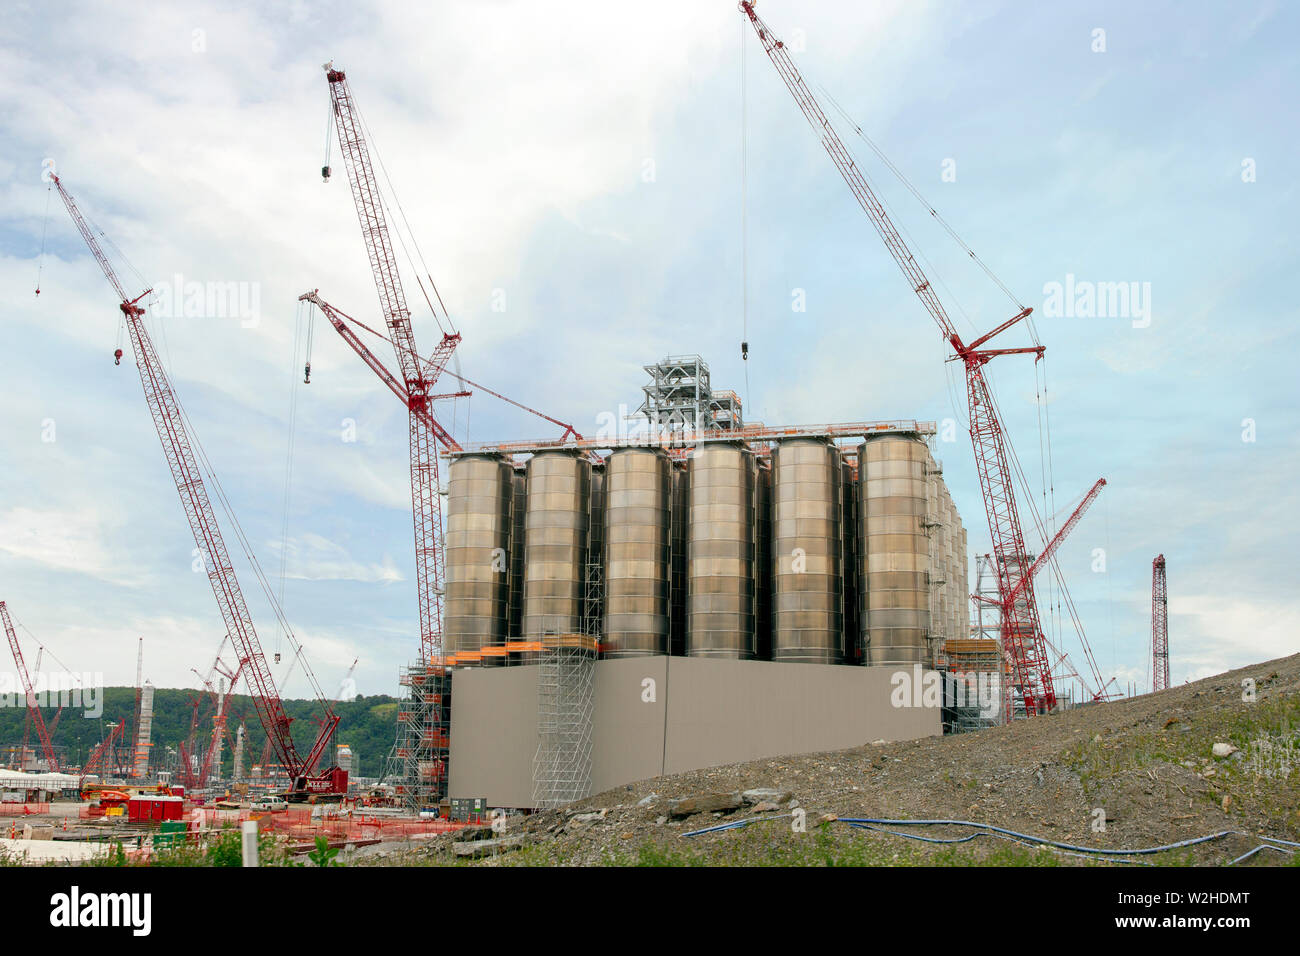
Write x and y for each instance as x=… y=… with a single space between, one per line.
x=288 y=455
x=744 y=212
x=45 y=228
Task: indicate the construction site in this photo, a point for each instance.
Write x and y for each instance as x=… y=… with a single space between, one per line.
x=688 y=611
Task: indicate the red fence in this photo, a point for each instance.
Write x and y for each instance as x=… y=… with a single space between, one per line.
x=23 y=809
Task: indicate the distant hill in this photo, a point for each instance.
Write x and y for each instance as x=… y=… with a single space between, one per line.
x=366 y=723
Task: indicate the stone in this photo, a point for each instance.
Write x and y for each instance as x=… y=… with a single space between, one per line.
x=766 y=795
x=479 y=848
x=589 y=817
x=703 y=803
x=766 y=807
x=1222 y=750
x=648 y=800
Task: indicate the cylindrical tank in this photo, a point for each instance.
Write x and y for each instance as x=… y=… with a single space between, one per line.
x=720 y=552
x=763 y=580
x=807 y=614
x=849 y=566
x=594 y=597
x=680 y=514
x=520 y=485
x=480 y=496
x=894 y=554
x=638 y=488
x=963 y=585
x=555 y=556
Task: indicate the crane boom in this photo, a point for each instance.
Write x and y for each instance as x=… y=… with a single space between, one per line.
x=1054 y=545
x=184 y=467
x=97 y=755
x=418 y=376
x=1159 y=626
x=1022 y=634
x=42 y=732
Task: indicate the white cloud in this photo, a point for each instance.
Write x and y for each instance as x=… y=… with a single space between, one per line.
x=314 y=558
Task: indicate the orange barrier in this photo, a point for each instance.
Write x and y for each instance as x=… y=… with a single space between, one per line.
x=22 y=809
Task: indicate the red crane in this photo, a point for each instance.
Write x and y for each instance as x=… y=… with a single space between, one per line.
x=1022 y=635
x=97 y=755
x=179 y=452
x=34 y=712
x=1159 y=626
x=418 y=376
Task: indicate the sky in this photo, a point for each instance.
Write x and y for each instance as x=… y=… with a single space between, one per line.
x=594 y=186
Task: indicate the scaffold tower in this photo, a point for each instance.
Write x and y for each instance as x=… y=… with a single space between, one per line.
x=562 y=764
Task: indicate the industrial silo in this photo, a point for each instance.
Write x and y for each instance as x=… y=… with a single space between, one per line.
x=638 y=489
x=807 y=615
x=894 y=557
x=679 y=519
x=763 y=560
x=593 y=610
x=555 y=554
x=520 y=485
x=480 y=496
x=720 y=552
x=849 y=565
x=943 y=627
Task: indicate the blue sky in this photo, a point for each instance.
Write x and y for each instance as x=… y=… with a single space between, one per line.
x=519 y=140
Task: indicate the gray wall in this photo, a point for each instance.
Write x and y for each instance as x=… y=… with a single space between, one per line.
x=706 y=712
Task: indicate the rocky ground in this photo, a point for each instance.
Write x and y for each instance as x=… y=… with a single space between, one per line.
x=1162 y=768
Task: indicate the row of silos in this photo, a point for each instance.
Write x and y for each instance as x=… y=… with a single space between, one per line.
x=786 y=556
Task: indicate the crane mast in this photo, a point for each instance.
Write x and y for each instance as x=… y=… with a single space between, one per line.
x=418 y=376
x=181 y=460
x=1022 y=634
x=42 y=732
x=1159 y=626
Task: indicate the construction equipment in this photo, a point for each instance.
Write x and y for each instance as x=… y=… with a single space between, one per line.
x=183 y=463
x=42 y=732
x=1159 y=626
x=97 y=755
x=1021 y=630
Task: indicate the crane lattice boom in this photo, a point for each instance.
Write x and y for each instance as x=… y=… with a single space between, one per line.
x=418 y=376
x=1159 y=626
x=29 y=694
x=1022 y=634
x=184 y=467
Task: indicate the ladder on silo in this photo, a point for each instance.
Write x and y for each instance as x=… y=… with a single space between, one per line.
x=562 y=763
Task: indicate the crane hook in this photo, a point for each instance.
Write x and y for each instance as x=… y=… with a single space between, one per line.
x=306 y=374
x=744 y=351
x=325 y=174
x=117 y=356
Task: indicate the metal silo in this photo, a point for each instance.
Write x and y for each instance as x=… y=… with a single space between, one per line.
x=849 y=566
x=479 y=500
x=894 y=556
x=520 y=485
x=763 y=561
x=807 y=501
x=720 y=552
x=638 y=487
x=594 y=585
x=680 y=513
x=555 y=555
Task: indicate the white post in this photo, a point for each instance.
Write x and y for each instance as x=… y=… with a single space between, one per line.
x=250 y=842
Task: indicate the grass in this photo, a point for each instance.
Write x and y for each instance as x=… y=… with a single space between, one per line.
x=1263 y=781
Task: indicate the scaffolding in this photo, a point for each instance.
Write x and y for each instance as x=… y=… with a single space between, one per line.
x=562 y=763
x=680 y=397
x=977 y=663
x=422 y=736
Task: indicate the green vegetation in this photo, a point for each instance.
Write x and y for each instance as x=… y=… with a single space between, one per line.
x=1263 y=777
